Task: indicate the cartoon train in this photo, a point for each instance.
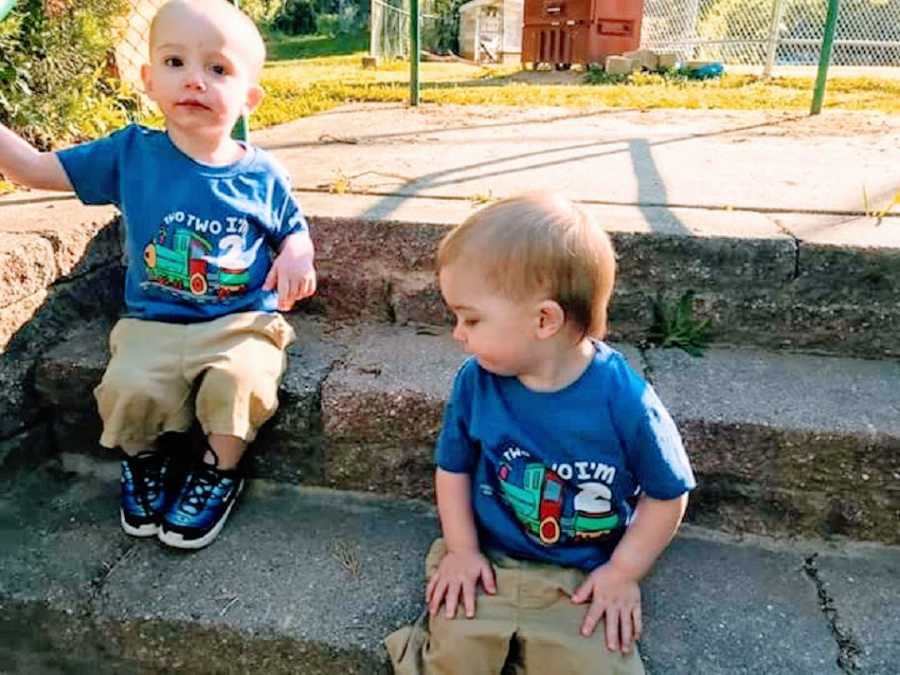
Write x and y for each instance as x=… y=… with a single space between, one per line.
x=183 y=266
x=538 y=504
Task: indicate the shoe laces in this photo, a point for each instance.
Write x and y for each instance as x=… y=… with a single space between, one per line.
x=148 y=471
x=199 y=488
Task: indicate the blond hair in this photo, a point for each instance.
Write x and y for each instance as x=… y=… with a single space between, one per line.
x=228 y=19
x=539 y=243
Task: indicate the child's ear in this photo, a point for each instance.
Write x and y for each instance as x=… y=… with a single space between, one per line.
x=550 y=319
x=254 y=96
x=145 y=78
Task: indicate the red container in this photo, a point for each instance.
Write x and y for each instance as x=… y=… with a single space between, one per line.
x=563 y=32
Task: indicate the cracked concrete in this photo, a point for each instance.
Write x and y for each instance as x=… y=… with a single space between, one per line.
x=862 y=586
x=797 y=243
x=861 y=611
x=848 y=648
x=279 y=586
x=98 y=583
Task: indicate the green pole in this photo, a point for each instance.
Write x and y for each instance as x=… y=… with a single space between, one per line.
x=414 y=52
x=825 y=56
x=241 y=130
x=6 y=7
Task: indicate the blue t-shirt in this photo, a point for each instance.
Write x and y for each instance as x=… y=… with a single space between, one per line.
x=555 y=475
x=199 y=239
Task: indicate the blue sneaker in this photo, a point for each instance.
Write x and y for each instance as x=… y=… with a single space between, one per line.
x=197 y=515
x=143 y=493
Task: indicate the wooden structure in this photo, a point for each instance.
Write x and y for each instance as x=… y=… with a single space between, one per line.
x=563 y=32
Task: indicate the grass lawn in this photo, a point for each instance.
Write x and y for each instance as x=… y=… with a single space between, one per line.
x=309 y=74
x=284 y=47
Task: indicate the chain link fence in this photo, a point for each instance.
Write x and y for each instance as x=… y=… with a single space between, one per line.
x=389 y=29
x=749 y=32
x=772 y=33
x=763 y=33
x=132 y=47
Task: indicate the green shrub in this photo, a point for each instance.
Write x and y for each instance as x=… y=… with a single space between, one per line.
x=56 y=84
x=298 y=17
x=596 y=74
x=328 y=24
x=441 y=34
x=262 y=11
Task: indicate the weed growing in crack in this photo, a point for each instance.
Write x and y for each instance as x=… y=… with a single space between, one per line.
x=674 y=325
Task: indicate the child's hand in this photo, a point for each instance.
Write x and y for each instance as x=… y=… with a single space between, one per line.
x=292 y=271
x=619 y=597
x=457 y=573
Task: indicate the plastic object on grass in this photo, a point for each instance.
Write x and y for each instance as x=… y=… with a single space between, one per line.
x=704 y=72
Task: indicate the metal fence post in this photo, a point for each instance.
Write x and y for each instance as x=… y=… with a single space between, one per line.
x=374 y=23
x=774 y=30
x=414 y=52
x=825 y=56
x=693 y=19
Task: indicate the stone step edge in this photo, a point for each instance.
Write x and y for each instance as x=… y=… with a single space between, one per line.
x=140 y=632
x=351 y=420
x=770 y=289
x=82 y=638
x=73 y=591
x=354 y=358
x=105 y=470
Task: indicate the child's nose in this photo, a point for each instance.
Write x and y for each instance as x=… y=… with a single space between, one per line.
x=194 y=80
x=458 y=332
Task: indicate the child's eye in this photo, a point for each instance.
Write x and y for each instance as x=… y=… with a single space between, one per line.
x=218 y=69
x=173 y=62
x=470 y=322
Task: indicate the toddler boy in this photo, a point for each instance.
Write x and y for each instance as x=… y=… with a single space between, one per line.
x=215 y=244
x=560 y=476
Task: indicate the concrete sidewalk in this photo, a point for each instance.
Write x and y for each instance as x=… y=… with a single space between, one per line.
x=812 y=178
x=774 y=163
x=748 y=177
x=761 y=214
x=307 y=580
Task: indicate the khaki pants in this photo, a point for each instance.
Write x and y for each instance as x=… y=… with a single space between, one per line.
x=532 y=607
x=146 y=389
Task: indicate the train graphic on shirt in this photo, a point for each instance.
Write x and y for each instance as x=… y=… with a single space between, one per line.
x=181 y=263
x=537 y=497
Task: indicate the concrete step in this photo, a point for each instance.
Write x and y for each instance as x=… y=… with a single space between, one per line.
x=59 y=260
x=756 y=281
x=766 y=279
x=782 y=443
x=310 y=580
